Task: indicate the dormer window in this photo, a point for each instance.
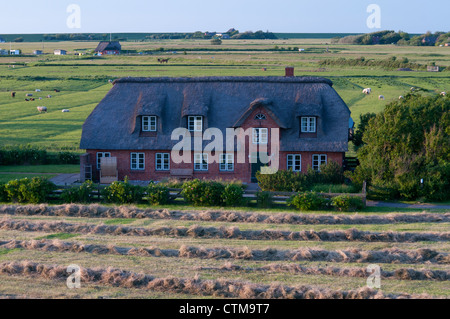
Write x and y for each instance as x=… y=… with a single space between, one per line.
x=260 y=116
x=195 y=123
x=308 y=124
x=149 y=124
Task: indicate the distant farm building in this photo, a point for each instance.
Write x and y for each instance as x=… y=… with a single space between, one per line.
x=108 y=48
x=429 y=40
x=38 y=52
x=14 y=52
x=433 y=68
x=60 y=52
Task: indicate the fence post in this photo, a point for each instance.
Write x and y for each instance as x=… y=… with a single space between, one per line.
x=364 y=192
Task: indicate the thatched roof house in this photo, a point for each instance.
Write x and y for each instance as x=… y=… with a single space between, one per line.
x=108 y=47
x=119 y=124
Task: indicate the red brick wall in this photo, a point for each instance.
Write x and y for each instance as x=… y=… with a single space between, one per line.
x=241 y=171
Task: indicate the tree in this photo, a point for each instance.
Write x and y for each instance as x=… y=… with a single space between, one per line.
x=18 y=39
x=359 y=133
x=406 y=143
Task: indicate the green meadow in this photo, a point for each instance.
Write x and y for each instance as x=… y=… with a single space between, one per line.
x=84 y=80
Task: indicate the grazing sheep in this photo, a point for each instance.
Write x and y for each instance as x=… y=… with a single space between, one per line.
x=367 y=91
x=65 y=111
x=56 y=90
x=413 y=89
x=443 y=93
x=381 y=97
x=49 y=96
x=37 y=90
x=400 y=97
x=42 y=109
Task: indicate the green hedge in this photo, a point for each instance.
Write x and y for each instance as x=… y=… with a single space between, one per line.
x=308 y=201
x=123 y=193
x=203 y=193
x=34 y=156
x=27 y=190
x=347 y=203
x=157 y=194
x=79 y=194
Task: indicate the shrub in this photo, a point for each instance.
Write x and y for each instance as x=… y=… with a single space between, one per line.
x=264 y=199
x=307 y=201
x=123 y=193
x=27 y=190
x=67 y=158
x=233 y=195
x=157 y=194
x=203 y=193
x=347 y=203
x=332 y=188
x=282 y=181
x=78 y=194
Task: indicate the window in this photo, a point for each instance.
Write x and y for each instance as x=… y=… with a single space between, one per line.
x=318 y=160
x=308 y=124
x=162 y=161
x=149 y=123
x=200 y=162
x=195 y=123
x=260 y=116
x=294 y=162
x=99 y=157
x=138 y=161
x=260 y=136
x=226 y=162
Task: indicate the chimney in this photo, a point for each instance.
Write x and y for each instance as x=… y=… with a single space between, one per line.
x=289 y=71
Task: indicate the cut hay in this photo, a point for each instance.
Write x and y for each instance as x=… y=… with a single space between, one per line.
x=196 y=231
x=218 y=288
x=98 y=211
x=386 y=256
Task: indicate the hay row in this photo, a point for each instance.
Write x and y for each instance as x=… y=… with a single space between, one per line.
x=398 y=274
x=95 y=210
x=391 y=255
x=195 y=286
x=196 y=231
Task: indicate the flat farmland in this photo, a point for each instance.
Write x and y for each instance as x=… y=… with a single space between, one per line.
x=131 y=252
x=84 y=80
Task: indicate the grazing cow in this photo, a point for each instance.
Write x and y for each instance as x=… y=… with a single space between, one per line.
x=27 y=100
x=367 y=91
x=28 y=94
x=13 y=94
x=381 y=97
x=163 y=60
x=42 y=109
x=32 y=99
x=56 y=90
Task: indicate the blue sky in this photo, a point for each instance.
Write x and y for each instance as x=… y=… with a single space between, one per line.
x=299 y=16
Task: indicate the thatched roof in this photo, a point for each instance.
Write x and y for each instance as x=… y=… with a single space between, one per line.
x=224 y=102
x=108 y=46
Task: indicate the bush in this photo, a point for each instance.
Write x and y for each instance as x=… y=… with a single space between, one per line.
x=203 y=193
x=157 y=194
x=282 y=181
x=347 y=203
x=79 y=194
x=307 y=201
x=264 y=199
x=27 y=190
x=332 y=188
x=233 y=195
x=123 y=193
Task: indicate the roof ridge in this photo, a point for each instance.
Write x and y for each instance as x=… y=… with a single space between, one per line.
x=267 y=79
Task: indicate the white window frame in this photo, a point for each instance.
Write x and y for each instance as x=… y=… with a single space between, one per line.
x=100 y=155
x=260 y=135
x=195 y=123
x=137 y=161
x=160 y=161
x=308 y=124
x=226 y=162
x=291 y=162
x=319 y=159
x=200 y=161
x=149 y=123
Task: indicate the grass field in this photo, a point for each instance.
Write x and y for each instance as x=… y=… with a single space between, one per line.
x=196 y=254
x=83 y=81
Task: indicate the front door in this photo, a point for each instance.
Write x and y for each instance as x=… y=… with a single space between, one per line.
x=255 y=167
